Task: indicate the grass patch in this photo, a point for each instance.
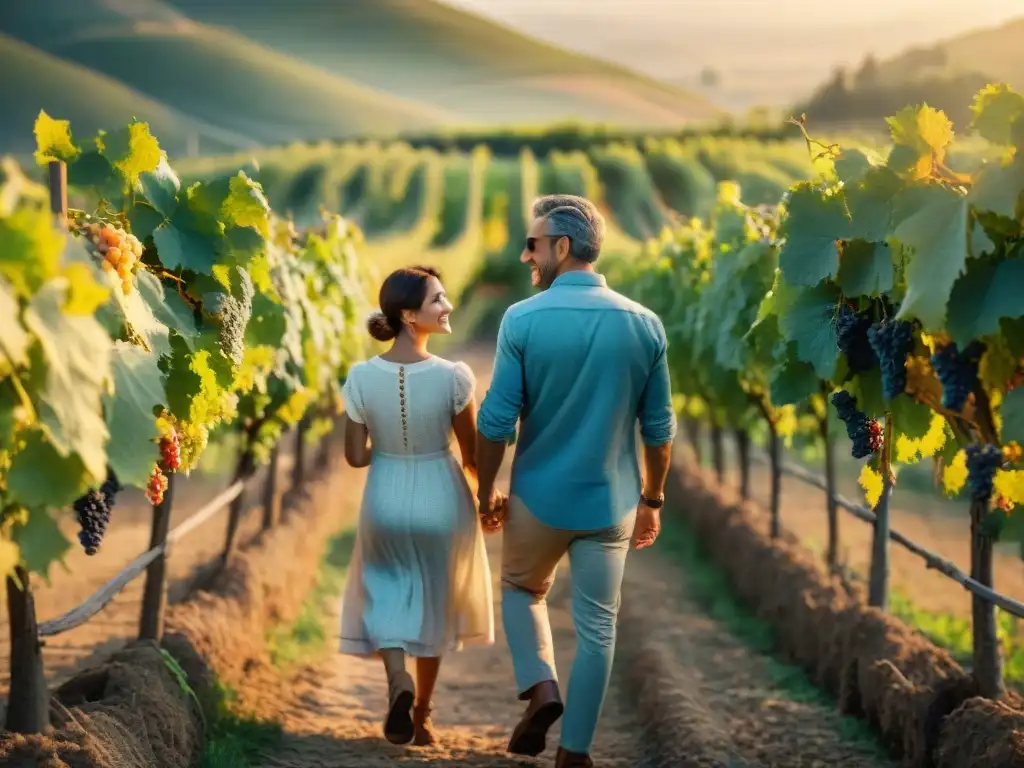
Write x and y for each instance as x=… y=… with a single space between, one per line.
x=234 y=740
x=710 y=587
x=954 y=634
x=307 y=636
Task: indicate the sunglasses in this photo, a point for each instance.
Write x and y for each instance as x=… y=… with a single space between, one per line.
x=531 y=242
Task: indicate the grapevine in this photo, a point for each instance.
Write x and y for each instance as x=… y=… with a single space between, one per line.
x=958 y=372
x=892 y=340
x=866 y=434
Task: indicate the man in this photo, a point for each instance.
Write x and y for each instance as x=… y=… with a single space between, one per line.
x=578 y=365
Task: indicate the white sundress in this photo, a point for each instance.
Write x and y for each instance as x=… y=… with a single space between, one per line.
x=419 y=577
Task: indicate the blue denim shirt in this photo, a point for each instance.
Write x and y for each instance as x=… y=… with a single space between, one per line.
x=578 y=365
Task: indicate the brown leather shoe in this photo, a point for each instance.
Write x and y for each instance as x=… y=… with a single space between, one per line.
x=425 y=735
x=398 y=726
x=566 y=759
x=544 y=709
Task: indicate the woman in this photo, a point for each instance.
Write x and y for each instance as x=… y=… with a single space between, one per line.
x=419 y=581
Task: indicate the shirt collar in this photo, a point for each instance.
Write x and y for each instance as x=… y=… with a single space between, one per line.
x=580 y=277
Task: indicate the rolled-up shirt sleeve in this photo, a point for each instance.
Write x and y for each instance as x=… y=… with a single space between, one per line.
x=656 y=414
x=503 y=402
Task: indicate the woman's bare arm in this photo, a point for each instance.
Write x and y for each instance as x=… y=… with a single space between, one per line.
x=357 y=443
x=464 y=424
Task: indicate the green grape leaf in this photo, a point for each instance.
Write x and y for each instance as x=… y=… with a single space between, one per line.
x=865 y=269
x=14 y=342
x=933 y=222
x=143 y=219
x=813 y=224
x=867 y=388
x=990 y=291
x=167 y=306
x=995 y=108
x=189 y=240
x=30 y=249
x=53 y=140
x=160 y=187
x=1012 y=411
x=268 y=323
x=910 y=417
x=95 y=174
x=133 y=150
x=871 y=202
x=807 y=320
x=138 y=390
x=42 y=542
x=793 y=380
x=41 y=477
x=853 y=164
x=182 y=384
x=999 y=189
x=76 y=349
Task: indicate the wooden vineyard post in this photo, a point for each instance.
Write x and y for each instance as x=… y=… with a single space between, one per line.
x=27 y=704
x=693 y=430
x=878 y=581
x=831 y=504
x=58 y=182
x=987 y=661
x=242 y=472
x=299 y=467
x=718 y=451
x=775 y=454
x=154 y=594
x=743 y=449
x=271 y=499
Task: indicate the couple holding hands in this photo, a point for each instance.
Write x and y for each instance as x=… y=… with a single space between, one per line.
x=578 y=366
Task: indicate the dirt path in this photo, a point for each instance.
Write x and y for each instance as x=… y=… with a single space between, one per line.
x=685 y=692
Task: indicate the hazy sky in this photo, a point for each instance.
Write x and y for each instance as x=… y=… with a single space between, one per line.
x=767 y=51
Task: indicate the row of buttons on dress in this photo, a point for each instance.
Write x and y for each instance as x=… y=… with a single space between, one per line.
x=401 y=400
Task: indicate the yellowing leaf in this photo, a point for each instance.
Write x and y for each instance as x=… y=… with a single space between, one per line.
x=143 y=152
x=85 y=293
x=907 y=449
x=1010 y=485
x=53 y=140
x=10 y=556
x=954 y=476
x=871 y=482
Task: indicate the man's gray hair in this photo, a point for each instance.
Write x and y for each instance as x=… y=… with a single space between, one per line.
x=575 y=217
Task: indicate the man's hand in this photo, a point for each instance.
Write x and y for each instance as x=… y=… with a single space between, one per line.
x=492 y=509
x=647 y=528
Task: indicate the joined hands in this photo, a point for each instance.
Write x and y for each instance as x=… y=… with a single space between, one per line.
x=492 y=509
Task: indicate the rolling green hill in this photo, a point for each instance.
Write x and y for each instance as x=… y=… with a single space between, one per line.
x=945 y=75
x=35 y=80
x=997 y=53
x=214 y=75
x=476 y=68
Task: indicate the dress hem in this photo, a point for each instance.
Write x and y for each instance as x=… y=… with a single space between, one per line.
x=366 y=647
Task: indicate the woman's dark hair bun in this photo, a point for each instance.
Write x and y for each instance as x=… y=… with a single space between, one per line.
x=380 y=328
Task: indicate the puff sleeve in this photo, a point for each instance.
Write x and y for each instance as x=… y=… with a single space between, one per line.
x=352 y=396
x=464 y=386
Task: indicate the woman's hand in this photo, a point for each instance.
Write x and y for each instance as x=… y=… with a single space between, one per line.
x=493 y=512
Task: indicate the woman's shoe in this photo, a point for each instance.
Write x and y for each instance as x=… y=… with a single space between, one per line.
x=398 y=726
x=425 y=735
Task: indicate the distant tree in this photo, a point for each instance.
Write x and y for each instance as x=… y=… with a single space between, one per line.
x=867 y=75
x=710 y=77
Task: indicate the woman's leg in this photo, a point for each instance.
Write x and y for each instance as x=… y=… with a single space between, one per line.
x=427 y=668
x=398 y=725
